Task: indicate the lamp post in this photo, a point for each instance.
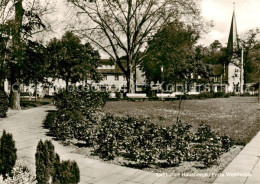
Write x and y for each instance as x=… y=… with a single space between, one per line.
x=162 y=68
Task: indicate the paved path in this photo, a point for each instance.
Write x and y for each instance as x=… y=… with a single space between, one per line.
x=26 y=127
x=245 y=168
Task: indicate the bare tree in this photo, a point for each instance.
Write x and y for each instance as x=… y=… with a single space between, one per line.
x=123 y=27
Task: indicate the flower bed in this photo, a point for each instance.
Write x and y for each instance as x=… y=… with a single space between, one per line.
x=136 y=140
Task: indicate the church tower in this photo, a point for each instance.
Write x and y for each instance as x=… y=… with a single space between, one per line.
x=234 y=66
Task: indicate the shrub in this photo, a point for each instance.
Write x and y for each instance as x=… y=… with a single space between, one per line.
x=3 y=104
x=21 y=174
x=44 y=161
x=118 y=94
x=49 y=168
x=85 y=102
x=209 y=145
x=66 y=125
x=7 y=154
x=205 y=95
x=178 y=139
x=66 y=172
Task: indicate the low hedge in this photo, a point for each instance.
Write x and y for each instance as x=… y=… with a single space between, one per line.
x=3 y=104
x=205 y=96
x=82 y=101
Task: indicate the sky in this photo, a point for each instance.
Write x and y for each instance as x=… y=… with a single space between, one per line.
x=218 y=11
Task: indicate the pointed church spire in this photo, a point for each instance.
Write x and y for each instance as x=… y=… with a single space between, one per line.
x=233 y=36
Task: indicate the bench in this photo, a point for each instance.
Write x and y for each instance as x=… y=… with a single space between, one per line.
x=193 y=93
x=112 y=95
x=162 y=95
x=136 y=95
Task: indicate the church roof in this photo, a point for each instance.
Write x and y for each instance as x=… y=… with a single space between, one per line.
x=233 y=44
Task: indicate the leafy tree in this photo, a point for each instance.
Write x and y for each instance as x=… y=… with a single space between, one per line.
x=173 y=47
x=19 y=21
x=34 y=64
x=254 y=62
x=215 y=45
x=250 y=43
x=122 y=28
x=71 y=60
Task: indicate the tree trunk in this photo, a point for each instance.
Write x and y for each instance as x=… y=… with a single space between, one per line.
x=15 y=95
x=131 y=79
x=16 y=36
x=67 y=85
x=258 y=90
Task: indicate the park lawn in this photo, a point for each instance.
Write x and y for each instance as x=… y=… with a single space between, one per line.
x=237 y=117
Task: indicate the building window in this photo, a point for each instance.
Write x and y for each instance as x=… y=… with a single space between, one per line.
x=104 y=77
x=116 y=77
x=124 y=78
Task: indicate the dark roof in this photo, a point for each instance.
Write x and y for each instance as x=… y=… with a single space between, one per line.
x=217 y=69
x=117 y=69
x=106 y=62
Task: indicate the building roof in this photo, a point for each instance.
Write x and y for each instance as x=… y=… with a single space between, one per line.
x=106 y=62
x=217 y=69
x=233 y=44
x=116 y=70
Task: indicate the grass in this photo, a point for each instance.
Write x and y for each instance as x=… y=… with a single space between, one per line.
x=237 y=117
x=26 y=103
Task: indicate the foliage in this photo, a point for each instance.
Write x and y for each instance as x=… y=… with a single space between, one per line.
x=250 y=43
x=71 y=60
x=85 y=101
x=209 y=145
x=50 y=168
x=143 y=143
x=3 y=104
x=66 y=172
x=44 y=160
x=206 y=95
x=7 y=154
x=171 y=55
x=21 y=174
x=20 y=20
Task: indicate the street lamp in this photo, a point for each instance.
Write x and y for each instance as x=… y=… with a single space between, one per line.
x=162 y=68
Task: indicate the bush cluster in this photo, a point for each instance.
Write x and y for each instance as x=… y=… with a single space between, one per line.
x=206 y=95
x=7 y=155
x=75 y=115
x=3 y=104
x=49 y=168
x=137 y=140
x=85 y=102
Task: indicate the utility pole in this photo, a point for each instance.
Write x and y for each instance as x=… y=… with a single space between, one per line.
x=259 y=90
x=242 y=72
